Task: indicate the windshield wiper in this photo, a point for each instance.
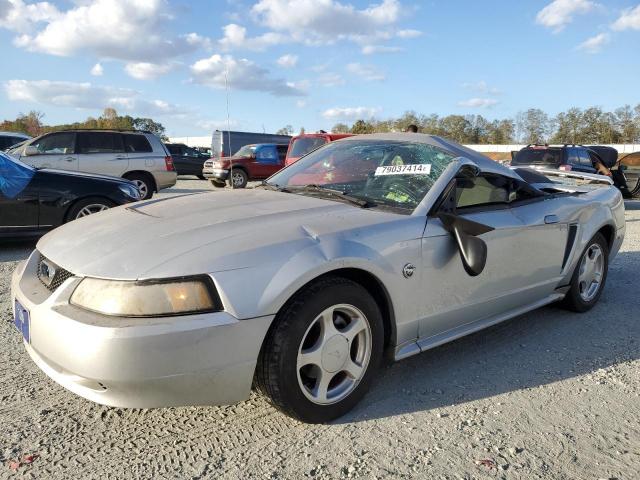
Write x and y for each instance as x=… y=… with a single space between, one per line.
x=333 y=192
x=273 y=187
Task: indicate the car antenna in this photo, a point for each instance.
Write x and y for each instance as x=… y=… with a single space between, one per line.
x=226 y=86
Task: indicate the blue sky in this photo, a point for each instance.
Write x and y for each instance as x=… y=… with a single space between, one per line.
x=313 y=63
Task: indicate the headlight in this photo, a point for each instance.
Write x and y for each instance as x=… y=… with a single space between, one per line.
x=176 y=296
x=130 y=191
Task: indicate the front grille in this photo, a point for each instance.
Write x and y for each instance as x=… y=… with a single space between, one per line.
x=208 y=163
x=49 y=279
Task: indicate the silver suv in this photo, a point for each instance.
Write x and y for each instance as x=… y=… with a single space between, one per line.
x=137 y=156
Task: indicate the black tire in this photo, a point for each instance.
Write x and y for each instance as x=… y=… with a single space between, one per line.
x=277 y=372
x=241 y=178
x=218 y=183
x=86 y=203
x=144 y=182
x=573 y=300
x=201 y=177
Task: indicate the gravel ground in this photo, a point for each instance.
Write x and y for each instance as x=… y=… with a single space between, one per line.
x=549 y=394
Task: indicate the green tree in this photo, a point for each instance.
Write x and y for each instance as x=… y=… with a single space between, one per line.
x=340 y=128
x=534 y=126
x=362 y=126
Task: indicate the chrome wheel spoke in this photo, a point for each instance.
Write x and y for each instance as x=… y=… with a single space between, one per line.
x=328 y=327
x=310 y=357
x=356 y=326
x=353 y=369
x=321 y=388
x=591 y=272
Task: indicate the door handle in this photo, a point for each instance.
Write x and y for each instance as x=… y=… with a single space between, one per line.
x=551 y=219
x=69 y=159
x=120 y=157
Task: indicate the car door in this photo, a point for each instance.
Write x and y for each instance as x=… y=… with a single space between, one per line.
x=194 y=160
x=102 y=152
x=266 y=162
x=524 y=255
x=18 y=199
x=55 y=150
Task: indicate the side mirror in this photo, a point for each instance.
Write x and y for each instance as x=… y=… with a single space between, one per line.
x=473 y=250
x=30 y=150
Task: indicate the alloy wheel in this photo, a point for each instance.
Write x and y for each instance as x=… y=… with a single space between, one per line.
x=591 y=272
x=142 y=187
x=334 y=354
x=237 y=178
x=91 y=209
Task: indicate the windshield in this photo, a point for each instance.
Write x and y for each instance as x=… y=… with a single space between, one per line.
x=390 y=173
x=14 y=176
x=303 y=145
x=542 y=156
x=246 y=151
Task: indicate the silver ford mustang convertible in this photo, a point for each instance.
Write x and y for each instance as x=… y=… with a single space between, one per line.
x=390 y=243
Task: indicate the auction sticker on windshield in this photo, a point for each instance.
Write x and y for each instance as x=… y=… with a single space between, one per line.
x=415 y=169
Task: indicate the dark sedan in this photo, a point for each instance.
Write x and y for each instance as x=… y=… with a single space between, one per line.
x=33 y=201
x=187 y=160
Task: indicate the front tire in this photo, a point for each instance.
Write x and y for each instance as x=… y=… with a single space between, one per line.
x=238 y=178
x=590 y=276
x=321 y=354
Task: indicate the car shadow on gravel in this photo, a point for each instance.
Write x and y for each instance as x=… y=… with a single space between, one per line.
x=539 y=348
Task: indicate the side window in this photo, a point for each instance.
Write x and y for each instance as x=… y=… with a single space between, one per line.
x=135 y=143
x=572 y=156
x=190 y=152
x=282 y=152
x=99 y=142
x=482 y=190
x=267 y=155
x=585 y=159
x=56 y=144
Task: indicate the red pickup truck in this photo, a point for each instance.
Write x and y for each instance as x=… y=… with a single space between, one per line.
x=251 y=162
x=303 y=144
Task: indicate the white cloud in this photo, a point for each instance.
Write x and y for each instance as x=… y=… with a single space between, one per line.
x=350 y=113
x=87 y=96
x=18 y=16
x=327 y=21
x=235 y=37
x=288 y=61
x=241 y=74
x=367 y=72
x=372 y=49
x=478 y=102
x=408 y=33
x=481 y=87
x=628 y=20
x=133 y=30
x=331 y=79
x=595 y=43
x=301 y=103
x=97 y=70
x=560 y=13
x=148 y=71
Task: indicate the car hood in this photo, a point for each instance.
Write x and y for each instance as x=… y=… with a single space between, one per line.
x=201 y=233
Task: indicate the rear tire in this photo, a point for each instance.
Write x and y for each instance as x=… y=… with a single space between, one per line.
x=144 y=182
x=322 y=352
x=88 y=206
x=589 y=277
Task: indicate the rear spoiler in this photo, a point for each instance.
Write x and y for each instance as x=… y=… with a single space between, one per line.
x=588 y=178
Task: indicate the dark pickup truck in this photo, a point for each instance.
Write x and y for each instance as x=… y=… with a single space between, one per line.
x=251 y=162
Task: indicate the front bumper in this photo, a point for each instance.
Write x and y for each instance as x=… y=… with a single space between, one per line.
x=216 y=173
x=206 y=359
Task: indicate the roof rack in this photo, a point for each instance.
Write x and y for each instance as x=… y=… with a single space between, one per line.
x=537 y=145
x=130 y=130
